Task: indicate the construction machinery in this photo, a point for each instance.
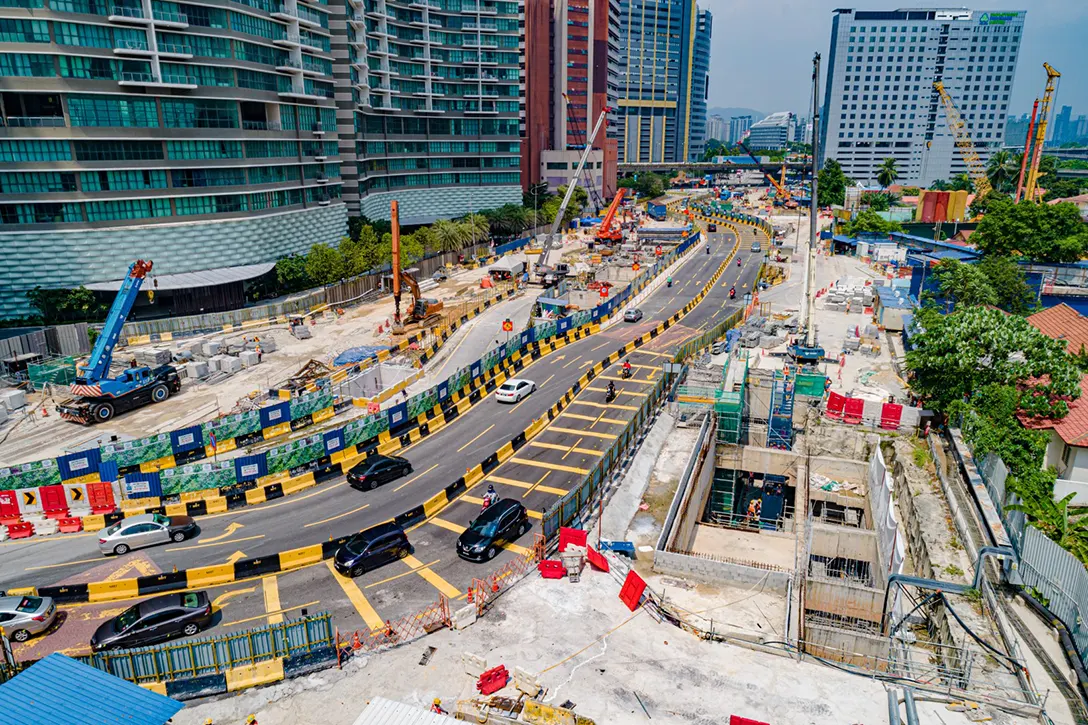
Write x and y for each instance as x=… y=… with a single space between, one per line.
x=784 y=197
x=975 y=167
x=610 y=232
x=1052 y=77
x=423 y=312
x=1027 y=152
x=98 y=396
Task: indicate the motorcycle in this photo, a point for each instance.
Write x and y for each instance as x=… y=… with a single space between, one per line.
x=488 y=501
x=738 y=262
x=610 y=394
x=668 y=282
x=732 y=294
x=625 y=373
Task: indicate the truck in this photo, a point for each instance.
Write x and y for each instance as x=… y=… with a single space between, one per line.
x=657 y=211
x=98 y=397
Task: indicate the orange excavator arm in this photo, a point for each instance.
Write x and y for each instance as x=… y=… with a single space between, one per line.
x=606 y=231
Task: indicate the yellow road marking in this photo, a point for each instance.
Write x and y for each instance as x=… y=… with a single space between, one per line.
x=614 y=406
x=221 y=601
x=338 y=516
x=641 y=381
x=270 y=614
x=572 y=361
x=519 y=403
x=231 y=528
x=267 y=506
x=552 y=466
x=218 y=543
x=592 y=434
x=480 y=502
x=431 y=576
x=546 y=381
x=460 y=529
x=607 y=342
x=485 y=430
x=272 y=599
x=539 y=481
x=357 y=598
x=402 y=574
x=415 y=478
x=69 y=563
x=594 y=421
x=236 y=557
x=566 y=449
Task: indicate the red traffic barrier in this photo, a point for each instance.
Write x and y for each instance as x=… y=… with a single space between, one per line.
x=69 y=524
x=571 y=536
x=493 y=680
x=596 y=559
x=551 y=569
x=631 y=591
x=20 y=531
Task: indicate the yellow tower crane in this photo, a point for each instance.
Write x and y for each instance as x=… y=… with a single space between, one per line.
x=1040 y=132
x=975 y=166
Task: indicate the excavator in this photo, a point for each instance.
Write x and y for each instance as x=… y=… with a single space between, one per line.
x=423 y=312
x=610 y=232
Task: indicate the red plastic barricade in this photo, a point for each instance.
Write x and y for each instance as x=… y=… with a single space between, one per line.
x=890 y=415
x=9 y=508
x=493 y=680
x=631 y=591
x=571 y=536
x=54 y=502
x=738 y=720
x=551 y=569
x=835 y=405
x=100 y=498
x=854 y=410
x=69 y=524
x=20 y=531
x=596 y=559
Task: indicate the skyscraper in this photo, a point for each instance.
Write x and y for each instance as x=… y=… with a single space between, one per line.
x=880 y=102
x=700 y=85
x=716 y=128
x=1062 y=129
x=201 y=137
x=660 y=78
x=738 y=127
x=773 y=132
x=1016 y=130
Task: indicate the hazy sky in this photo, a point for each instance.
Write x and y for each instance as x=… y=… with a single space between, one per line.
x=761 y=54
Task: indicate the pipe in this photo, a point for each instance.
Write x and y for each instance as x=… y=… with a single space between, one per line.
x=394 y=219
x=912 y=709
x=893 y=707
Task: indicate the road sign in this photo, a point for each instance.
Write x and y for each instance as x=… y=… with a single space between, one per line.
x=635 y=267
x=507 y=326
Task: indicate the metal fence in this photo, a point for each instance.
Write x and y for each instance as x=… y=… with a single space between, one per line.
x=215 y=655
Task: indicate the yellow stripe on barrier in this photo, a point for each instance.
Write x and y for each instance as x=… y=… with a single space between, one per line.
x=139 y=503
x=256 y=496
x=94 y=522
x=262 y=673
x=105 y=591
x=166 y=336
x=435 y=504
x=221 y=447
x=474 y=475
x=207 y=576
x=277 y=430
x=159 y=687
x=158 y=464
x=300 y=557
x=390 y=446
x=436 y=425
x=506 y=451
x=22 y=592
x=383 y=436
x=300 y=483
x=324 y=414
x=338 y=456
x=284 y=394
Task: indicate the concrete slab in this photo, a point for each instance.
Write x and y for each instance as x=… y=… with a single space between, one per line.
x=765 y=548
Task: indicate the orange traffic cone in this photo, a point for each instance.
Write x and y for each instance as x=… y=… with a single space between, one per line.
x=355 y=643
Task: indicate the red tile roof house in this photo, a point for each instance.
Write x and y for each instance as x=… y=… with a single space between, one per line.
x=1067 y=450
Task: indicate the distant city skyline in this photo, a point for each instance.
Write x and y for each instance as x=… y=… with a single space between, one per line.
x=775 y=76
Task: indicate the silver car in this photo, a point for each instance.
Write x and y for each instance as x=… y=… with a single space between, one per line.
x=137 y=532
x=23 y=617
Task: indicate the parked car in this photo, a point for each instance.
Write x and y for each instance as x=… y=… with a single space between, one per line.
x=514 y=390
x=24 y=617
x=155 y=620
x=376 y=470
x=371 y=549
x=712 y=227
x=137 y=532
x=632 y=315
x=500 y=523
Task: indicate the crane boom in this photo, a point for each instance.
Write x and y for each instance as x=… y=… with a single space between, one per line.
x=783 y=193
x=606 y=231
x=1027 y=152
x=550 y=245
x=963 y=140
x=1040 y=131
x=98 y=365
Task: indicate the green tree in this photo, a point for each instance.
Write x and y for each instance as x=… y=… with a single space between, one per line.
x=1054 y=519
x=960 y=182
x=66 y=305
x=958 y=354
x=831 y=184
x=324 y=265
x=868 y=221
x=1003 y=170
x=449 y=235
x=880 y=201
x=536 y=195
x=477 y=229
x=291 y=275
x=1041 y=232
x=647 y=184
x=1009 y=283
x=964 y=284
x=887 y=173
x=982 y=204
x=1064 y=188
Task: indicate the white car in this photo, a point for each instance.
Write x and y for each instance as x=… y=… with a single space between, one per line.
x=514 y=390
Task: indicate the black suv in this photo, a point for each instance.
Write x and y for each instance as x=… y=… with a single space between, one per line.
x=501 y=523
x=372 y=548
x=377 y=470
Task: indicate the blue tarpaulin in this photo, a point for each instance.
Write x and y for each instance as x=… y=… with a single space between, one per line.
x=59 y=689
x=357 y=354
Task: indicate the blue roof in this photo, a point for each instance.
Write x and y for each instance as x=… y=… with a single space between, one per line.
x=358 y=354
x=889 y=298
x=59 y=689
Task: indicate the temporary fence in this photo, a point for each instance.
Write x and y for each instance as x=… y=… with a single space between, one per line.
x=58 y=372
x=483 y=592
x=433 y=617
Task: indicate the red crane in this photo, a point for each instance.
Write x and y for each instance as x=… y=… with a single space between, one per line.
x=608 y=232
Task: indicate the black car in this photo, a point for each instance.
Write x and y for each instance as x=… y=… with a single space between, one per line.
x=155 y=620
x=712 y=227
x=501 y=523
x=371 y=549
x=377 y=470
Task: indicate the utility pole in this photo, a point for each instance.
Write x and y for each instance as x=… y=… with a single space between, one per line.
x=810 y=258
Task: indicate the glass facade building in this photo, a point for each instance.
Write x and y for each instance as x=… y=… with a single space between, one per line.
x=880 y=102
x=198 y=135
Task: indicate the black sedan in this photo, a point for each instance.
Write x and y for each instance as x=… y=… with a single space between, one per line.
x=371 y=549
x=501 y=523
x=155 y=620
x=376 y=470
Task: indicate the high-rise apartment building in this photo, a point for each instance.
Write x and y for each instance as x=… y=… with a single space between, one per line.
x=700 y=85
x=1016 y=130
x=662 y=84
x=200 y=136
x=572 y=61
x=738 y=128
x=716 y=128
x=435 y=104
x=880 y=102
x=773 y=132
x=1063 y=127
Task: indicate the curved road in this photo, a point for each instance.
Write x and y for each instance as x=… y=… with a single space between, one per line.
x=537 y=475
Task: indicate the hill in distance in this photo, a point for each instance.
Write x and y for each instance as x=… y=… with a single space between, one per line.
x=729 y=112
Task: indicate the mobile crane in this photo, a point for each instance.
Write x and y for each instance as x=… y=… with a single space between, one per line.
x=426 y=312
x=99 y=397
x=608 y=231
x=1040 y=132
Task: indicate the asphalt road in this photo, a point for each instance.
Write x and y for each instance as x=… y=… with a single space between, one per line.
x=537 y=476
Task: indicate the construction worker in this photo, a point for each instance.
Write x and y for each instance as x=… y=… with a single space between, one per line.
x=436 y=706
x=251 y=720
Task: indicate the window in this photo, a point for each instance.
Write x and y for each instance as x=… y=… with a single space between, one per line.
x=23 y=31
x=19 y=151
x=128 y=209
x=188 y=178
x=204 y=149
x=36 y=182
x=27 y=65
x=40 y=213
x=86 y=36
x=118 y=150
x=203 y=113
x=191 y=205
x=251 y=25
x=122 y=180
x=271 y=149
x=112 y=111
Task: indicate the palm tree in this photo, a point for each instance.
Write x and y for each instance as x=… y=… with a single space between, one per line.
x=449 y=236
x=1003 y=170
x=1053 y=519
x=887 y=173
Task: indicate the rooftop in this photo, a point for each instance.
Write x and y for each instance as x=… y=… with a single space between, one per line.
x=1063 y=323
x=1073 y=428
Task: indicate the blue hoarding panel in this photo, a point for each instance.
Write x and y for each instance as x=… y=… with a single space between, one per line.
x=250 y=468
x=74 y=465
x=187 y=439
x=276 y=414
x=398 y=416
x=334 y=441
x=142 y=485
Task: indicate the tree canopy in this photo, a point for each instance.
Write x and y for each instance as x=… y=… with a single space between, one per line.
x=1041 y=232
x=887 y=173
x=65 y=305
x=868 y=221
x=964 y=284
x=647 y=184
x=831 y=184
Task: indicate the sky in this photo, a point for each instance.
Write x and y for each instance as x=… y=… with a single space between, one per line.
x=761 y=50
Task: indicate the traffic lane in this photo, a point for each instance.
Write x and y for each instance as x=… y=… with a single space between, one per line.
x=336 y=508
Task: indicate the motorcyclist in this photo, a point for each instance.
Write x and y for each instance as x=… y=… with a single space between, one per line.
x=708 y=249
x=738 y=262
x=490 y=497
x=611 y=394
x=626 y=368
x=668 y=281
x=732 y=292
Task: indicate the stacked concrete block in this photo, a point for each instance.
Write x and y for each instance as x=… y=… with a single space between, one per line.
x=211 y=348
x=197 y=370
x=12 y=400
x=228 y=364
x=268 y=344
x=248 y=358
x=152 y=356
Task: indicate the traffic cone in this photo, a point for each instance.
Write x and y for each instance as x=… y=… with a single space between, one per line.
x=355 y=643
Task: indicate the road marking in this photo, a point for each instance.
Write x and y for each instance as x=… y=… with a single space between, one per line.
x=480 y=502
x=607 y=342
x=614 y=406
x=461 y=529
x=618 y=392
x=402 y=574
x=592 y=434
x=552 y=466
x=575 y=448
x=416 y=478
x=586 y=364
x=658 y=354
x=231 y=528
x=546 y=381
x=236 y=557
x=267 y=506
x=69 y=563
x=268 y=614
x=640 y=381
x=524 y=484
x=518 y=404
x=221 y=601
x=142 y=566
x=272 y=599
x=485 y=430
x=566 y=449
x=357 y=598
x=218 y=543
x=595 y=421
x=539 y=481
x=338 y=516
x=431 y=576
x=572 y=361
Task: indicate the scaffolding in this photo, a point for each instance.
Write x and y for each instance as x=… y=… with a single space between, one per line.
x=780 y=427
x=729 y=403
x=58 y=372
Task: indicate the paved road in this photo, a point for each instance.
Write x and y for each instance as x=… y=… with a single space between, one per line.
x=537 y=475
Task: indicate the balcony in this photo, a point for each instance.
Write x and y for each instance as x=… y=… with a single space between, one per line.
x=321 y=179
x=289 y=66
x=423 y=4
x=261 y=126
x=289 y=40
x=171 y=20
x=358 y=19
x=480 y=9
x=301 y=95
x=313 y=70
x=175 y=50
x=481 y=27
x=480 y=43
x=119 y=14
x=378 y=15
x=317 y=129
x=33 y=121
x=132 y=47
x=170 y=80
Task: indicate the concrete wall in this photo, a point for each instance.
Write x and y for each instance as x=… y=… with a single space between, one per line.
x=845 y=600
x=862 y=650
x=844 y=541
x=1063 y=488
x=840 y=469
x=691 y=509
x=699 y=567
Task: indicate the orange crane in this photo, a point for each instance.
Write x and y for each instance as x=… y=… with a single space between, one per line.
x=608 y=232
x=783 y=192
x=423 y=311
x=1040 y=131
